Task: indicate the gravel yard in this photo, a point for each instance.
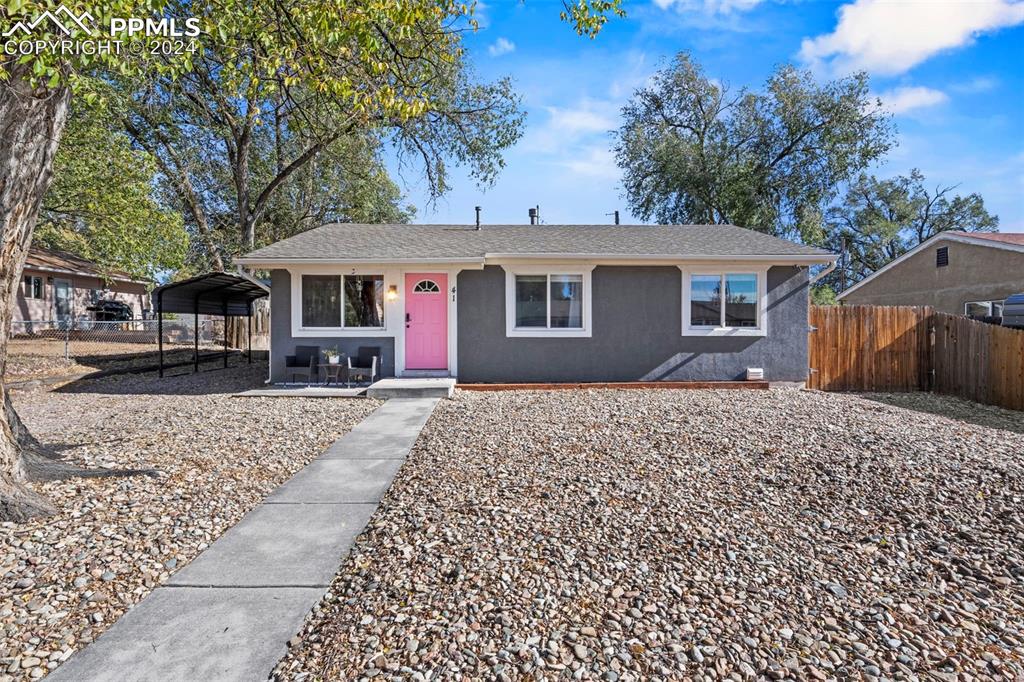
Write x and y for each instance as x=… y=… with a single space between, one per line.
x=40 y=358
x=68 y=577
x=669 y=534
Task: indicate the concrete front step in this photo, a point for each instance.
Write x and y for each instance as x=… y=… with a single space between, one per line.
x=405 y=387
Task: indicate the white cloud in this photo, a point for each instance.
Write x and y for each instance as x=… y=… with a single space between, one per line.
x=572 y=122
x=566 y=129
x=709 y=6
x=890 y=37
x=592 y=162
x=976 y=85
x=904 y=99
x=501 y=46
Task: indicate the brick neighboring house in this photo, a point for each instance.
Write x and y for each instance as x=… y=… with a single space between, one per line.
x=961 y=273
x=57 y=285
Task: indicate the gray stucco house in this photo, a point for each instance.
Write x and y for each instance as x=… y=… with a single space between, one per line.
x=545 y=303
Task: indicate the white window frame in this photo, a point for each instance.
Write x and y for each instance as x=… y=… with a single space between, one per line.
x=343 y=330
x=29 y=284
x=760 y=272
x=511 y=331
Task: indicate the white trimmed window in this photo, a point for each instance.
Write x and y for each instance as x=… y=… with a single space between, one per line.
x=33 y=286
x=724 y=302
x=342 y=301
x=552 y=302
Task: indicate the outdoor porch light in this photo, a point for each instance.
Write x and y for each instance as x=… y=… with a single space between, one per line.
x=392 y=292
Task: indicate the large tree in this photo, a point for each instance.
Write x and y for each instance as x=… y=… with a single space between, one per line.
x=101 y=203
x=694 y=151
x=345 y=182
x=230 y=134
x=304 y=39
x=879 y=220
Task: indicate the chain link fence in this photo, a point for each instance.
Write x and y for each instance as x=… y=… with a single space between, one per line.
x=91 y=339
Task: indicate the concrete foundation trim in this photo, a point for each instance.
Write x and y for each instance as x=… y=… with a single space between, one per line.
x=753 y=385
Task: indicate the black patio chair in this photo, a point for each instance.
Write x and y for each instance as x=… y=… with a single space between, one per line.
x=303 y=362
x=365 y=364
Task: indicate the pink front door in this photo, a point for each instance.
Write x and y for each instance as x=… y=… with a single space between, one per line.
x=426 y=321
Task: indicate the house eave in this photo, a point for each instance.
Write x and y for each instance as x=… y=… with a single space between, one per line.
x=498 y=258
x=83 y=273
x=942 y=236
x=666 y=259
x=271 y=263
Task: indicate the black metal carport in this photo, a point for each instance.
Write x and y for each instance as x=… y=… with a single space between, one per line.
x=216 y=293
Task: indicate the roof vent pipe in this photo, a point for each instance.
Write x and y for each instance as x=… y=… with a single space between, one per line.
x=478 y=217
x=534 y=215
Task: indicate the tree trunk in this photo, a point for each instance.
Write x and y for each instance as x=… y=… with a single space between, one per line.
x=31 y=125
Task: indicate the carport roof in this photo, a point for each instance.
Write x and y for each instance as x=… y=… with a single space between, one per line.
x=209 y=294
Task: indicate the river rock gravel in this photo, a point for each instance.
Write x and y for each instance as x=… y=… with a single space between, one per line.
x=663 y=534
x=68 y=577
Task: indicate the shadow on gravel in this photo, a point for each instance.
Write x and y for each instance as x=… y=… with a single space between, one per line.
x=211 y=379
x=954 y=408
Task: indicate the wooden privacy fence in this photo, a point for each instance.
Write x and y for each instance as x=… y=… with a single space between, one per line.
x=869 y=348
x=902 y=348
x=979 y=361
x=238 y=328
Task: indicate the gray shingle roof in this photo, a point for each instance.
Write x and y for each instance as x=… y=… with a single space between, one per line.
x=352 y=241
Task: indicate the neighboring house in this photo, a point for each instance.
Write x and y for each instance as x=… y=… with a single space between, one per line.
x=961 y=273
x=545 y=303
x=59 y=286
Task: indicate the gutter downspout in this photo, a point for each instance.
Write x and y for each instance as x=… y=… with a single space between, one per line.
x=820 y=275
x=242 y=273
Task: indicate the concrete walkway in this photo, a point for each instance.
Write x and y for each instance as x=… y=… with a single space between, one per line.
x=229 y=614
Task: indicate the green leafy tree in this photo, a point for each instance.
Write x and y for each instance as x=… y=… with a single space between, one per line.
x=588 y=17
x=347 y=182
x=264 y=125
x=368 y=64
x=879 y=220
x=101 y=203
x=693 y=151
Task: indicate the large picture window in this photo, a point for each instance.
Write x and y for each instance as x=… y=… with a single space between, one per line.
x=348 y=301
x=722 y=302
x=321 y=301
x=364 y=300
x=542 y=302
x=549 y=301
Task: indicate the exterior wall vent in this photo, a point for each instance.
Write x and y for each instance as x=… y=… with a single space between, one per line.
x=942 y=256
x=755 y=374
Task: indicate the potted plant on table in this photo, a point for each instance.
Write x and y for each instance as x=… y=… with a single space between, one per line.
x=332 y=355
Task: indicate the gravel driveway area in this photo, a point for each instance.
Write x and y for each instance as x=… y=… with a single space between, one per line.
x=634 y=535
x=66 y=578
x=41 y=358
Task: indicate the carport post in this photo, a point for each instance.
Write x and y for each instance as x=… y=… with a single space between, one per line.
x=248 y=306
x=195 y=335
x=160 y=328
x=225 y=333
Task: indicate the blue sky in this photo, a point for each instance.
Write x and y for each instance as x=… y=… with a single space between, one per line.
x=952 y=73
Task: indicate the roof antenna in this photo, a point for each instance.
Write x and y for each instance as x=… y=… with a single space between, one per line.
x=616 y=214
x=478 y=217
